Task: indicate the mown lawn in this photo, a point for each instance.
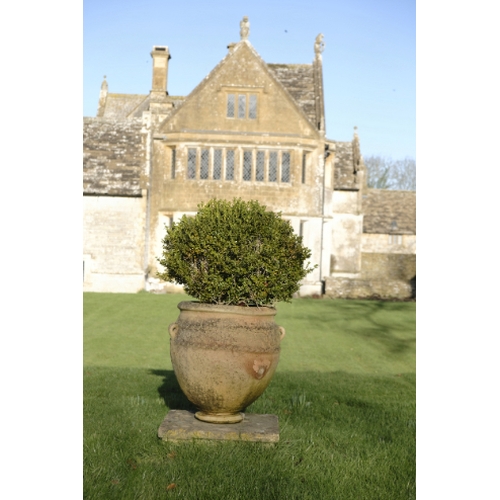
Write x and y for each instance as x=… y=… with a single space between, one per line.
x=344 y=393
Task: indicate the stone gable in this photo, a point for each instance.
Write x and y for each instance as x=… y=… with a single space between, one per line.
x=241 y=73
x=120 y=106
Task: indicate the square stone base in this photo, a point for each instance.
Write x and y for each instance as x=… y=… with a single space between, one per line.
x=180 y=425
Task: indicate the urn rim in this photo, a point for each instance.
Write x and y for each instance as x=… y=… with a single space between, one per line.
x=188 y=305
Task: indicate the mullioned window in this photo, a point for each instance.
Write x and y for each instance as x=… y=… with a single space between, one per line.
x=242 y=106
x=257 y=165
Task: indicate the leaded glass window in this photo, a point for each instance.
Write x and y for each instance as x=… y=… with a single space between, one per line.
x=242 y=104
x=259 y=166
x=247 y=165
x=191 y=170
x=230 y=165
x=217 y=164
x=285 y=166
x=205 y=156
x=273 y=166
x=230 y=106
x=304 y=161
x=252 y=107
x=172 y=164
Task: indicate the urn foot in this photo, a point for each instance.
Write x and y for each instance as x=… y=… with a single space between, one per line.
x=222 y=418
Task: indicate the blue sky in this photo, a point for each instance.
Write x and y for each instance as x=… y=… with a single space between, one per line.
x=369 y=61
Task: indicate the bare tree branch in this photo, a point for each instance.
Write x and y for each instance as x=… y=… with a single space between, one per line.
x=385 y=173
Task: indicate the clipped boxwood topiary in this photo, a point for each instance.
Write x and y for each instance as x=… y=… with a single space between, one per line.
x=235 y=253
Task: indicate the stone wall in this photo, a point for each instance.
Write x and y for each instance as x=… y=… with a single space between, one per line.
x=389 y=243
x=382 y=275
x=113 y=246
x=388 y=266
x=346 y=243
x=348 y=288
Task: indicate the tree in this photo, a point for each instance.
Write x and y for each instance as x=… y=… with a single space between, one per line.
x=386 y=173
x=377 y=172
x=404 y=173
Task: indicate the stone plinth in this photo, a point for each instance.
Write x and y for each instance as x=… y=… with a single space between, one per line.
x=180 y=425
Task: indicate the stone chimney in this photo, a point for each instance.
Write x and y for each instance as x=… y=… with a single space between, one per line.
x=160 y=55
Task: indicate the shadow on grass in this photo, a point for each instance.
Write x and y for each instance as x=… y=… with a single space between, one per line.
x=389 y=324
x=383 y=330
x=171 y=392
x=320 y=389
x=387 y=339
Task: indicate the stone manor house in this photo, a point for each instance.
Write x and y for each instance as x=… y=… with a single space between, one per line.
x=251 y=130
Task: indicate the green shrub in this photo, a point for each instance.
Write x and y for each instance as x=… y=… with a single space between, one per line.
x=235 y=253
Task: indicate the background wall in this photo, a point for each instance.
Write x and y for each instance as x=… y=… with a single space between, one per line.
x=114 y=229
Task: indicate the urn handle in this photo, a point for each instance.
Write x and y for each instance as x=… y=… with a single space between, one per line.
x=172 y=330
x=282 y=332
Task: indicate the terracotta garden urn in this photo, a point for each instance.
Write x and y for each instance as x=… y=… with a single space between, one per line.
x=224 y=356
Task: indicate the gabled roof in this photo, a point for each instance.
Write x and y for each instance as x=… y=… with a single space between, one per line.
x=389 y=212
x=298 y=79
x=129 y=106
x=113 y=157
x=297 y=82
x=119 y=106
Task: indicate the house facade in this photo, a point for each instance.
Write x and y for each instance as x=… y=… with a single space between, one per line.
x=249 y=130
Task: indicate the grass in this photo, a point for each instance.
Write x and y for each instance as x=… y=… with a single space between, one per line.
x=344 y=393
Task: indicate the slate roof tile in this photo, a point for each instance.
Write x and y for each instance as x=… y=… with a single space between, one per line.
x=389 y=212
x=298 y=79
x=113 y=156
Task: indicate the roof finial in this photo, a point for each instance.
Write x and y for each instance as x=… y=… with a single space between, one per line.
x=103 y=94
x=356 y=151
x=319 y=45
x=244 y=28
